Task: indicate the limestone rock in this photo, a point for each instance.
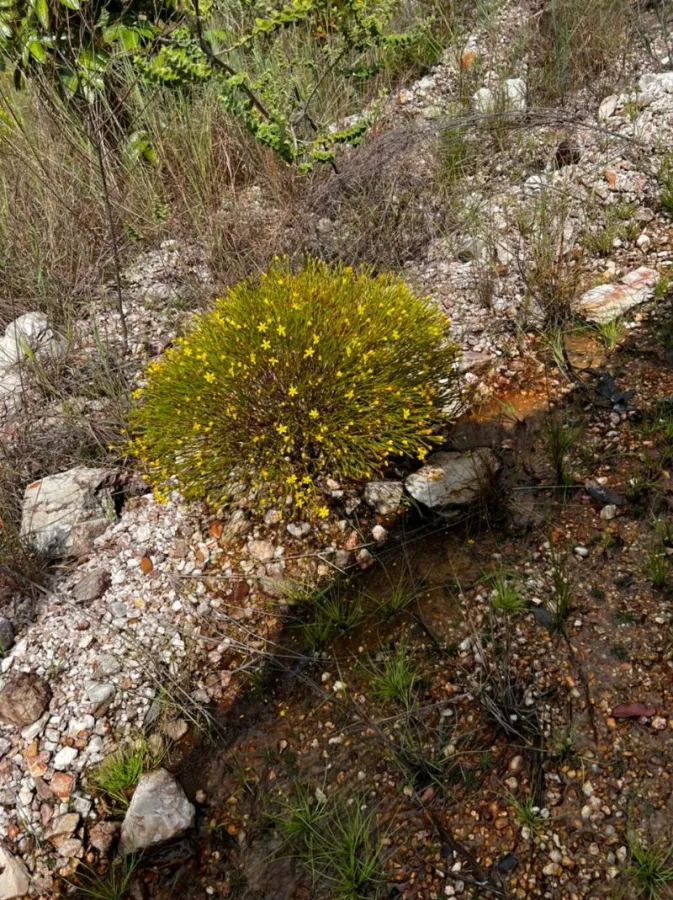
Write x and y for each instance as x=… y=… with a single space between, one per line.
x=30 y=333
x=515 y=92
x=27 y=333
x=484 y=100
x=452 y=479
x=92 y=586
x=609 y=301
x=384 y=496
x=63 y=513
x=656 y=83
x=158 y=812
x=14 y=877
x=23 y=700
x=608 y=108
x=100 y=695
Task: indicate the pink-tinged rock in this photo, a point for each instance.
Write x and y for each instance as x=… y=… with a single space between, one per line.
x=609 y=301
x=633 y=710
x=103 y=834
x=61 y=785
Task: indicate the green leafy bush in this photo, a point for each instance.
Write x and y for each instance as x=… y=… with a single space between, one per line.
x=293 y=377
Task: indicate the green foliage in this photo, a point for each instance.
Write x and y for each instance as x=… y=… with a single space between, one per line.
x=666 y=184
x=506 y=597
x=579 y=42
x=561 y=437
x=457 y=157
x=283 y=70
x=337 y=844
x=526 y=813
x=650 y=867
x=618 y=221
x=611 y=333
x=114 y=885
x=656 y=567
x=561 y=588
x=71 y=42
x=333 y=611
x=117 y=776
x=394 y=679
x=398 y=598
x=294 y=377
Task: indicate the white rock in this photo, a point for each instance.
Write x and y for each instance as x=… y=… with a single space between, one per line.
x=159 y=811
x=609 y=512
x=62 y=514
x=379 y=533
x=64 y=758
x=451 y=478
x=384 y=496
x=515 y=94
x=14 y=877
x=608 y=107
x=22 y=335
x=298 y=530
x=609 y=301
x=100 y=696
x=484 y=100
x=656 y=82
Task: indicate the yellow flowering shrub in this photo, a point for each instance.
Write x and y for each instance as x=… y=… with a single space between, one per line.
x=293 y=377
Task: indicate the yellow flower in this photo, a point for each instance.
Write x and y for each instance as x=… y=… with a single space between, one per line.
x=314 y=414
x=293 y=391
x=266 y=345
x=281 y=330
x=323 y=512
x=308 y=352
x=261 y=326
x=291 y=479
x=406 y=413
x=281 y=429
x=209 y=377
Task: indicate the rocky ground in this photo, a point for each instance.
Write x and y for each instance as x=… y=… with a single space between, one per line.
x=158 y=614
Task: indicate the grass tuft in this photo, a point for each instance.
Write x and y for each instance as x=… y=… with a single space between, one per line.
x=336 y=843
x=333 y=611
x=656 y=567
x=650 y=867
x=117 y=776
x=394 y=679
x=113 y=885
x=506 y=597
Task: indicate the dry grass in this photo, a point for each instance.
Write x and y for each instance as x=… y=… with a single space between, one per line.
x=580 y=43
x=383 y=207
